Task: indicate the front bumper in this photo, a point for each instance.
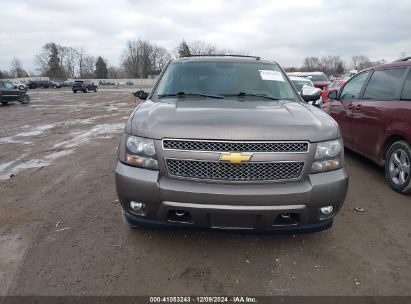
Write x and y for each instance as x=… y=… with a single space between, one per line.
x=231 y=206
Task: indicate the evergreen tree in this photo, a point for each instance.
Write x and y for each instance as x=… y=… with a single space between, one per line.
x=101 y=71
x=340 y=69
x=183 y=49
x=54 y=68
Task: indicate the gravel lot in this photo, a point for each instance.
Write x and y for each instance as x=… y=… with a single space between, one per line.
x=61 y=230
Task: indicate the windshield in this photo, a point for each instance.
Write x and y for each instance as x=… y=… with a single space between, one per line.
x=315 y=78
x=8 y=85
x=224 y=78
x=300 y=83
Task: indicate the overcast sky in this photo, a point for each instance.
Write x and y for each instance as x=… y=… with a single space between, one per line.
x=285 y=30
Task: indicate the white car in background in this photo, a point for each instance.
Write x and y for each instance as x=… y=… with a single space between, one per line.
x=350 y=74
x=19 y=85
x=301 y=82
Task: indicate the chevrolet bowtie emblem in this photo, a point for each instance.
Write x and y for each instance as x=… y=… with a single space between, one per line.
x=235 y=158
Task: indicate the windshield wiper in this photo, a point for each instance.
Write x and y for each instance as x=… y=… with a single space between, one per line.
x=243 y=94
x=183 y=94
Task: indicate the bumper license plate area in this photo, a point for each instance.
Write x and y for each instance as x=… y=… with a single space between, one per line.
x=232 y=221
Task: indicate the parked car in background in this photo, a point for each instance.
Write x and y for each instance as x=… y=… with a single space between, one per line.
x=105 y=82
x=319 y=79
x=84 y=86
x=301 y=84
x=18 y=84
x=55 y=84
x=373 y=110
x=333 y=86
x=26 y=83
x=45 y=84
x=350 y=74
x=67 y=84
x=9 y=93
x=32 y=84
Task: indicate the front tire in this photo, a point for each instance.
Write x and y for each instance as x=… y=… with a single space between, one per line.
x=95 y=89
x=4 y=103
x=25 y=99
x=74 y=91
x=397 y=167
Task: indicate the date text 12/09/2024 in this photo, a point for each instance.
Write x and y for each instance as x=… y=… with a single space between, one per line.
x=203 y=299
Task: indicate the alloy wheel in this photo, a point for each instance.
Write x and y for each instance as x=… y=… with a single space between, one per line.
x=399 y=167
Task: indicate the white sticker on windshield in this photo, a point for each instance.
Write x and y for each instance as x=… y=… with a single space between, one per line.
x=271 y=75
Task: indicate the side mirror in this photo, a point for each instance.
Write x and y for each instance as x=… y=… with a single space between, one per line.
x=310 y=93
x=333 y=94
x=141 y=95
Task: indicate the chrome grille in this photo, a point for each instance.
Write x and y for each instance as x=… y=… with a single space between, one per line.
x=231 y=146
x=273 y=171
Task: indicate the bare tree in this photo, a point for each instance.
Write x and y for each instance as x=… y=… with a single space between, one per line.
x=159 y=58
x=311 y=64
x=87 y=67
x=137 y=58
x=131 y=60
x=116 y=72
x=68 y=56
x=70 y=61
x=198 y=47
x=146 y=49
x=17 y=68
x=360 y=62
x=62 y=51
x=290 y=69
x=16 y=64
x=41 y=60
x=80 y=56
x=330 y=64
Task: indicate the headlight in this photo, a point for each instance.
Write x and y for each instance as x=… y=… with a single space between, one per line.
x=138 y=152
x=328 y=156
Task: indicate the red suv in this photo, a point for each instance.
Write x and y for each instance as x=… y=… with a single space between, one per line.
x=373 y=110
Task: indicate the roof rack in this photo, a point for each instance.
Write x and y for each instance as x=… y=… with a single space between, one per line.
x=222 y=55
x=403 y=59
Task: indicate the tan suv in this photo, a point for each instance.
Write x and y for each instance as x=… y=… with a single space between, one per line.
x=227 y=142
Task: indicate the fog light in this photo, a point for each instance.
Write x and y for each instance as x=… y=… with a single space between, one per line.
x=327 y=210
x=137 y=208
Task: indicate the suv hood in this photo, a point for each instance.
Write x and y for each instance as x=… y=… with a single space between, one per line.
x=231 y=119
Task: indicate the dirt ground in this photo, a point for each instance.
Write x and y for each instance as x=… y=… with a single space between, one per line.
x=61 y=231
